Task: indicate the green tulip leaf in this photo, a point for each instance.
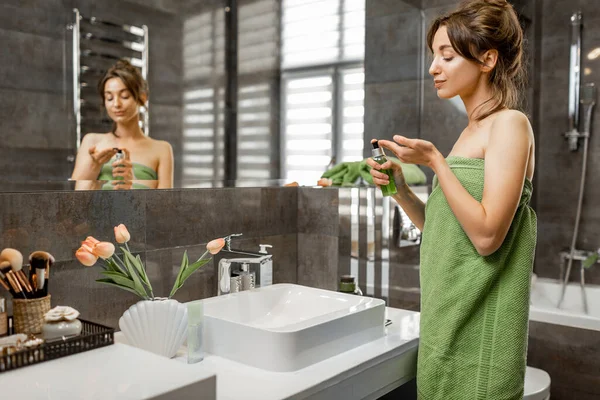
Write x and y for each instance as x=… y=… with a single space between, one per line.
x=193 y=268
x=591 y=260
x=119 y=279
x=109 y=282
x=134 y=276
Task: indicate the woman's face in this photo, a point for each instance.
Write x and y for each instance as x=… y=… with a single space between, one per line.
x=119 y=102
x=452 y=74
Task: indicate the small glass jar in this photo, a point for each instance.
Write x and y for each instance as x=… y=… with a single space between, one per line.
x=348 y=285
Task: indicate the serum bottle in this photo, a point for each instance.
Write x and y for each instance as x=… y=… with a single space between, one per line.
x=380 y=158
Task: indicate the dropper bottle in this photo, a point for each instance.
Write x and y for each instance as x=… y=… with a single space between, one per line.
x=380 y=158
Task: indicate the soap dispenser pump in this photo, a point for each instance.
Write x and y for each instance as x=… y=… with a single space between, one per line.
x=266 y=267
x=247 y=277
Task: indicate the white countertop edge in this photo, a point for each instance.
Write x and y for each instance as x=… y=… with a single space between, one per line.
x=235 y=380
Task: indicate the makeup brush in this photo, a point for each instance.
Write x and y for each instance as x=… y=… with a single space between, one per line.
x=16 y=262
x=4 y=284
x=5 y=269
x=14 y=283
x=40 y=262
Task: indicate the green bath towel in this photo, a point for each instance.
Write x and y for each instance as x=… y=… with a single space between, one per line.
x=474 y=309
x=347 y=173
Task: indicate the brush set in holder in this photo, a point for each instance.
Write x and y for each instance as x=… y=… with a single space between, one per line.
x=29 y=290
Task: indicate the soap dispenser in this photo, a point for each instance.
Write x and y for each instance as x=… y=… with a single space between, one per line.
x=247 y=277
x=266 y=267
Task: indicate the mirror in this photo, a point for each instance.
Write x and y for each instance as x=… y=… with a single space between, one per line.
x=293 y=77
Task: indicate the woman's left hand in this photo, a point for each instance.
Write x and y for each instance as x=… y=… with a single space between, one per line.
x=124 y=167
x=412 y=151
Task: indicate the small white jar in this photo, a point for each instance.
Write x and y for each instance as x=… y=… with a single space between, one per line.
x=61 y=322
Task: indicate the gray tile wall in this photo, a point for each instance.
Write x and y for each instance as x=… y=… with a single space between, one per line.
x=318 y=239
x=570 y=356
x=35 y=79
x=163 y=224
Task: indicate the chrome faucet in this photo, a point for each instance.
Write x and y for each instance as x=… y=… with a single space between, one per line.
x=230 y=264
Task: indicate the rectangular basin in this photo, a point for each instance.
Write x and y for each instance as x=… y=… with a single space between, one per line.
x=286 y=327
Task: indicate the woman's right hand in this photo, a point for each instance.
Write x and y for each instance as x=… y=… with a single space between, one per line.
x=380 y=178
x=101 y=157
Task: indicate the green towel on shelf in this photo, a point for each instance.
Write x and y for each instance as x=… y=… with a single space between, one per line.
x=347 y=173
x=474 y=309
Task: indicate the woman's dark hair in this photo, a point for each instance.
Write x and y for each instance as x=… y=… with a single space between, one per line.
x=132 y=79
x=481 y=25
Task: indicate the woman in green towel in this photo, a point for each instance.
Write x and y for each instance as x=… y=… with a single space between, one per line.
x=147 y=163
x=479 y=233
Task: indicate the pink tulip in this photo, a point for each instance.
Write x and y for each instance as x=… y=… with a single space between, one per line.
x=122 y=234
x=85 y=256
x=104 y=250
x=215 y=246
x=90 y=241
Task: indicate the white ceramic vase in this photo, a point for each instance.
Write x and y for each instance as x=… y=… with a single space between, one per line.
x=159 y=326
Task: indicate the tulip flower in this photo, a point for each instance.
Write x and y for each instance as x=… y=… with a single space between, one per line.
x=215 y=246
x=90 y=241
x=122 y=234
x=85 y=256
x=104 y=250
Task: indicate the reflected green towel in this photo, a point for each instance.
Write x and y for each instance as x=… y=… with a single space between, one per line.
x=474 y=309
x=347 y=173
x=141 y=172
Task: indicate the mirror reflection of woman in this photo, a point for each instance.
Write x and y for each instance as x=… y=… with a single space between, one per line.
x=146 y=163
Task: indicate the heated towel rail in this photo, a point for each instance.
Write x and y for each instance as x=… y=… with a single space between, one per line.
x=97 y=44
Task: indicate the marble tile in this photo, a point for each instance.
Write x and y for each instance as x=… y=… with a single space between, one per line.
x=318 y=211
x=379 y=8
x=317 y=261
x=391 y=108
x=392 y=47
x=180 y=217
x=25 y=165
x=59 y=221
x=33 y=120
x=569 y=355
x=31 y=62
x=439 y=3
x=168 y=6
x=44 y=18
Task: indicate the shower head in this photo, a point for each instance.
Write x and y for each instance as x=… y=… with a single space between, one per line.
x=588 y=94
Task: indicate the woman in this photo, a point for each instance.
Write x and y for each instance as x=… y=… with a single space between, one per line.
x=479 y=232
x=147 y=163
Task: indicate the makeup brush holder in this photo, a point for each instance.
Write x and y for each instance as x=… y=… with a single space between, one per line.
x=28 y=314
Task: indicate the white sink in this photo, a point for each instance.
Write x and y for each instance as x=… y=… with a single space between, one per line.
x=287 y=327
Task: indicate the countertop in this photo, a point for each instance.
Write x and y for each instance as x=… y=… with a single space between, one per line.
x=237 y=381
x=120 y=371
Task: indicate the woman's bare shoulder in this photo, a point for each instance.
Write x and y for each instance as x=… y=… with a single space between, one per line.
x=160 y=144
x=92 y=138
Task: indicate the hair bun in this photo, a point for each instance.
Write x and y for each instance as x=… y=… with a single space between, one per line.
x=498 y=3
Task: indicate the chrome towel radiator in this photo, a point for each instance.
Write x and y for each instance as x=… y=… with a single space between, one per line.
x=97 y=44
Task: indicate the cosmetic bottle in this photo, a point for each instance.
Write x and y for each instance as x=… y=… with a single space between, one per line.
x=348 y=285
x=119 y=156
x=266 y=267
x=195 y=332
x=3 y=317
x=380 y=158
x=247 y=277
